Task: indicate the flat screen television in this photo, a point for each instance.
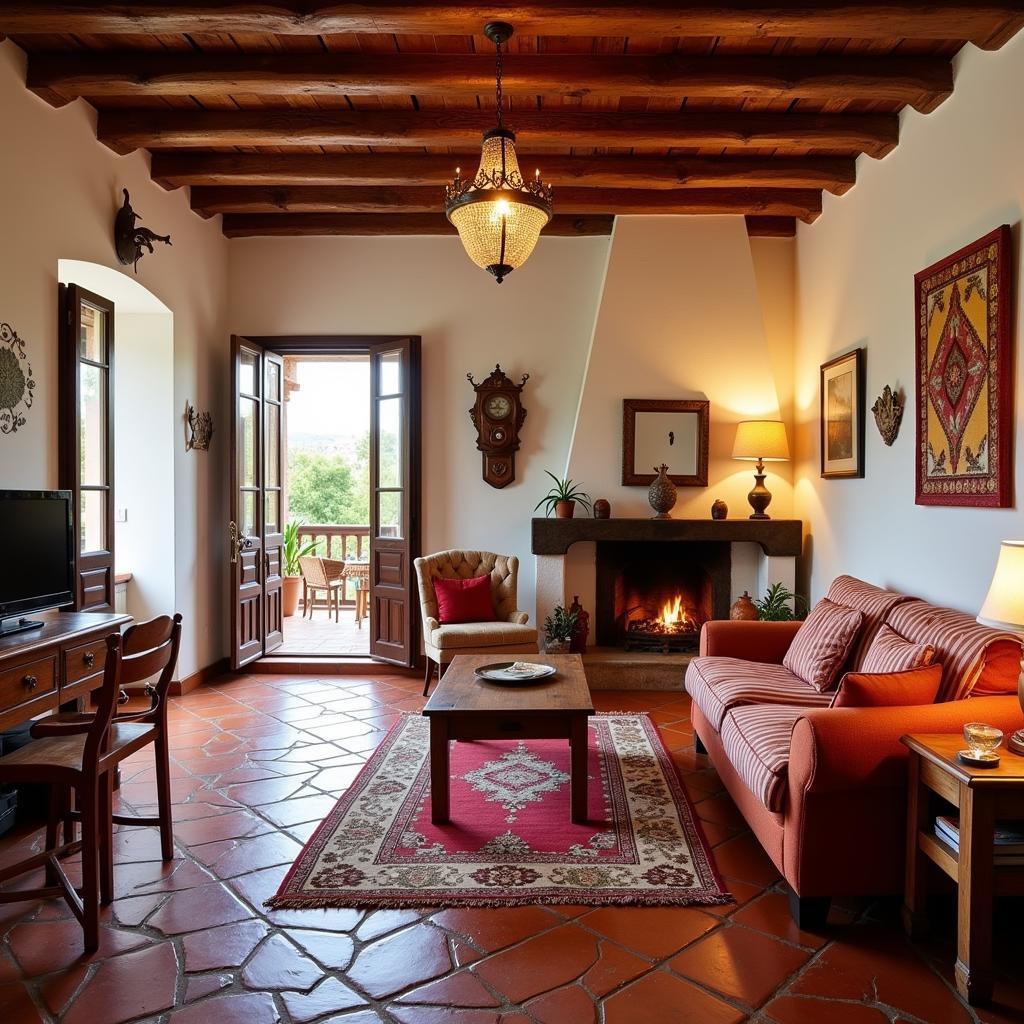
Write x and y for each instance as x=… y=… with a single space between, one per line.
x=37 y=567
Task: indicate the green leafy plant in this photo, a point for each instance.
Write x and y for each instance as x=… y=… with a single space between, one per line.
x=564 y=490
x=560 y=624
x=780 y=604
x=294 y=548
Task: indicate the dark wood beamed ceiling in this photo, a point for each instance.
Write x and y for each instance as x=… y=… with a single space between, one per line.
x=333 y=118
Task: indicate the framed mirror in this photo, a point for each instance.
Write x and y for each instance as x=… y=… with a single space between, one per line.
x=669 y=430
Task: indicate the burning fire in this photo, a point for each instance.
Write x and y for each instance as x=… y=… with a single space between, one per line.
x=674 y=619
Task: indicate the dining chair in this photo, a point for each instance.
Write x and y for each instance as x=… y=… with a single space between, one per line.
x=321 y=574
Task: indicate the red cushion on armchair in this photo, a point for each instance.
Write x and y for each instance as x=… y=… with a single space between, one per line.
x=464 y=600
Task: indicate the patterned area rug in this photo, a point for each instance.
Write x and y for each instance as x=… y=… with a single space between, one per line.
x=510 y=840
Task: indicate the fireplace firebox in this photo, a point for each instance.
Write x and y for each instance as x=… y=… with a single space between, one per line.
x=655 y=596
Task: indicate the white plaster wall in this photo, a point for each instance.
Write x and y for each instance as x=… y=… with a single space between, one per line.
x=59 y=191
x=955 y=175
x=539 y=321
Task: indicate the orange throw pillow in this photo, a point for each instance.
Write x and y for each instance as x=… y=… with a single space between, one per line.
x=889 y=689
x=1000 y=670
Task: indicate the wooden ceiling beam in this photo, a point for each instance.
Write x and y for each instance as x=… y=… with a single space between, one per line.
x=920 y=81
x=125 y=131
x=802 y=203
x=984 y=22
x=248 y=225
x=771 y=227
x=836 y=175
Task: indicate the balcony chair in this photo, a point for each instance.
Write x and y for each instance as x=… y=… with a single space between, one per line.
x=79 y=753
x=507 y=634
x=321 y=574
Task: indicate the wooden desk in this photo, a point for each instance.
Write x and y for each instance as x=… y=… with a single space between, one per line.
x=981 y=797
x=44 y=668
x=463 y=707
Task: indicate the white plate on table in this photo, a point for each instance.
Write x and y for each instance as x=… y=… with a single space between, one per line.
x=514 y=672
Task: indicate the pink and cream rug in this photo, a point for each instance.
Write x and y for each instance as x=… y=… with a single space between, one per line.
x=510 y=840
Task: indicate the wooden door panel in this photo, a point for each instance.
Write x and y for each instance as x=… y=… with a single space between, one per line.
x=272 y=486
x=94 y=589
x=390 y=568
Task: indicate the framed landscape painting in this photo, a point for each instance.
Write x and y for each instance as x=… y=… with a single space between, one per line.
x=842 y=416
x=963 y=372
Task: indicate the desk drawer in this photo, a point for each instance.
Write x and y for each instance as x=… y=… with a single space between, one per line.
x=83 y=666
x=27 y=684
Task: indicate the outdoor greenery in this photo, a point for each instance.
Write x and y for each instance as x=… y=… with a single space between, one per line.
x=780 y=604
x=294 y=548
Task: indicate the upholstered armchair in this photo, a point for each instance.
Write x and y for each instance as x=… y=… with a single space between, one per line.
x=508 y=634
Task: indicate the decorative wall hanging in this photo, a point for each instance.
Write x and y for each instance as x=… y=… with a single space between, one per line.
x=964 y=383
x=17 y=385
x=888 y=410
x=842 y=416
x=130 y=238
x=669 y=430
x=198 y=429
x=498 y=416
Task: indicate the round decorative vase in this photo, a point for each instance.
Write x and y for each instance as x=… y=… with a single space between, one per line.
x=556 y=646
x=744 y=610
x=564 y=509
x=662 y=494
x=719 y=510
x=602 y=509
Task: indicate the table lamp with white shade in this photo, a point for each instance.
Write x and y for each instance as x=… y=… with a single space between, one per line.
x=760 y=441
x=1004 y=609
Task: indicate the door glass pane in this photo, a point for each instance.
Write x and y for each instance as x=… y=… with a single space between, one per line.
x=273 y=440
x=93 y=338
x=247 y=527
x=247 y=376
x=92 y=424
x=271 y=518
x=390 y=428
x=273 y=392
x=390 y=373
x=247 y=442
x=94 y=521
x=389 y=514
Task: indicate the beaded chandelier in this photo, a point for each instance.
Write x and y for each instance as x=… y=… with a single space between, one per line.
x=498 y=215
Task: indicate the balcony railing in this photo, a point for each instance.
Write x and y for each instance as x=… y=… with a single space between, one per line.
x=347 y=543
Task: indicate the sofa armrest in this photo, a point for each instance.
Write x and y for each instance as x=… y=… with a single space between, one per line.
x=518 y=618
x=752 y=641
x=840 y=749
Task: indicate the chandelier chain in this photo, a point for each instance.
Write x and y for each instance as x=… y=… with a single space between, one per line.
x=497 y=78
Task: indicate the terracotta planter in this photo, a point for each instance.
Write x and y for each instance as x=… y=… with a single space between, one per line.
x=292 y=587
x=564 y=509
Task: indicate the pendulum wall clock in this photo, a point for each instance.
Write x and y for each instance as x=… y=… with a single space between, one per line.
x=498 y=416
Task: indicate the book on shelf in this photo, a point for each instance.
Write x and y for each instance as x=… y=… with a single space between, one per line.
x=1008 y=844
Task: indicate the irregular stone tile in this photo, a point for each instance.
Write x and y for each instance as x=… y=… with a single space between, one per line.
x=16 y=1004
x=380 y=922
x=228 y=946
x=297 y=810
x=614 y=969
x=493 y=928
x=808 y=1010
x=654 y=932
x=233 y=825
x=131 y=911
x=196 y=988
x=328 y=997
x=332 y=949
x=461 y=989
x=564 y=1004
x=770 y=913
x=439 y=1015
x=279 y=965
x=661 y=998
x=190 y=910
x=128 y=986
x=402 y=959
x=743 y=858
x=158 y=877
x=247 y=855
x=237 y=1008
x=44 y=946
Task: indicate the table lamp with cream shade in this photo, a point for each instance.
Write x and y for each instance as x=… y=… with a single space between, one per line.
x=1004 y=609
x=760 y=441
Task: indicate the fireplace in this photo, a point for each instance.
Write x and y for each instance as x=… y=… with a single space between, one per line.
x=655 y=596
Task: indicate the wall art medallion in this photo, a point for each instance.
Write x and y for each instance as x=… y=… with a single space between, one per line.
x=17 y=385
x=888 y=411
x=842 y=416
x=964 y=383
x=198 y=429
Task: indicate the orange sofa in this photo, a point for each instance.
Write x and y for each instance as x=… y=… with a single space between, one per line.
x=822 y=788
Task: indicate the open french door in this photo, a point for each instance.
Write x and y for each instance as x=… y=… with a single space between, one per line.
x=394 y=499
x=255 y=533
x=86 y=445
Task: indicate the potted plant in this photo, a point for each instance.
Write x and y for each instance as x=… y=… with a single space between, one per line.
x=780 y=604
x=294 y=549
x=559 y=627
x=562 y=498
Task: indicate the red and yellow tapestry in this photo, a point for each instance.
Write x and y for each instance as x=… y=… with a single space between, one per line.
x=965 y=421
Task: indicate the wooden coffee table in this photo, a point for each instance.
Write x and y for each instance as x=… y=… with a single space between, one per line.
x=463 y=707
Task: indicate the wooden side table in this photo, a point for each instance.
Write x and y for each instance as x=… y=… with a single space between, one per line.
x=980 y=796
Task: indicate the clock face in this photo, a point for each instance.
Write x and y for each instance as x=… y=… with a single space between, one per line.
x=497 y=407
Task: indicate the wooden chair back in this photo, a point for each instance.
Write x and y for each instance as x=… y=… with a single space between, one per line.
x=312 y=569
x=107 y=699
x=148 y=648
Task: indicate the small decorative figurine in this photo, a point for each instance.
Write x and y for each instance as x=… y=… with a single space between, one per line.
x=198 y=429
x=602 y=509
x=744 y=610
x=719 y=510
x=131 y=238
x=662 y=493
x=580 y=633
x=888 y=410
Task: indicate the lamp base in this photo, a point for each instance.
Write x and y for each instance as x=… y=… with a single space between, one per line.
x=1015 y=743
x=759 y=497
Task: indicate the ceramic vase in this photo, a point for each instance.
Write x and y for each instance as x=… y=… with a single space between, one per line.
x=662 y=494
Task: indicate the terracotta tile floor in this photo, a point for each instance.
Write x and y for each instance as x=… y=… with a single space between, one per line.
x=258 y=760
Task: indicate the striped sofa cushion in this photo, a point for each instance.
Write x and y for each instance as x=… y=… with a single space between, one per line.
x=873 y=602
x=823 y=643
x=961 y=643
x=718 y=684
x=889 y=652
x=757 y=741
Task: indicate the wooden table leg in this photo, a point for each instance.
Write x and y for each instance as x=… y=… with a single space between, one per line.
x=915 y=893
x=974 y=903
x=439 y=770
x=578 y=735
